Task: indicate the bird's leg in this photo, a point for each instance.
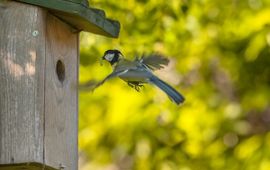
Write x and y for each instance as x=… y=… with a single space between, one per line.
x=130 y=84
x=136 y=85
x=137 y=88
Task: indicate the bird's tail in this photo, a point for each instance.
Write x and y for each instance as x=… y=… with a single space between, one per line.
x=169 y=90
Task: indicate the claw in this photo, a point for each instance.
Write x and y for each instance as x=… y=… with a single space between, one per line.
x=136 y=85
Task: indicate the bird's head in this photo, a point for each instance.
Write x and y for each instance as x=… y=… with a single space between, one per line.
x=112 y=56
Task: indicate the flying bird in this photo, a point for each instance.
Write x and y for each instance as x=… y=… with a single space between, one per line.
x=139 y=72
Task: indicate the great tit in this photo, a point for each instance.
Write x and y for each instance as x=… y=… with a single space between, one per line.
x=139 y=71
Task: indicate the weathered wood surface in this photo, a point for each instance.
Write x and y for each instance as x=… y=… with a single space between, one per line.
x=61 y=97
x=80 y=15
x=26 y=166
x=22 y=61
x=38 y=112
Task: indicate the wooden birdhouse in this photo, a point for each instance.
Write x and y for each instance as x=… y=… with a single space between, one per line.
x=39 y=59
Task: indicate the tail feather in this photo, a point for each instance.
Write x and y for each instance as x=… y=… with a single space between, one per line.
x=169 y=90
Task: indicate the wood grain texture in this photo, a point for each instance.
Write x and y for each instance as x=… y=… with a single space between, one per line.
x=26 y=166
x=78 y=14
x=61 y=120
x=38 y=113
x=22 y=64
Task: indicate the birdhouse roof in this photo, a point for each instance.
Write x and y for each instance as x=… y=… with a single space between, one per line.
x=80 y=15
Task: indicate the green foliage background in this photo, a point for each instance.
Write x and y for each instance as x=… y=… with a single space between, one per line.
x=220 y=61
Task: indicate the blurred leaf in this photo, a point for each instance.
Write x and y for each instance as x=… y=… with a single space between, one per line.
x=219 y=59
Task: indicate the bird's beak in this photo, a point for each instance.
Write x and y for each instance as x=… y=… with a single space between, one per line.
x=101 y=60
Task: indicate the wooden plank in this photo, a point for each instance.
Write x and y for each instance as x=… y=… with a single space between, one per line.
x=61 y=120
x=22 y=64
x=26 y=166
x=80 y=16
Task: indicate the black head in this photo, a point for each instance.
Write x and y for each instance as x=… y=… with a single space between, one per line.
x=112 y=56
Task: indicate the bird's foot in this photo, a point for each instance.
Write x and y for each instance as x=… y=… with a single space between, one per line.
x=136 y=85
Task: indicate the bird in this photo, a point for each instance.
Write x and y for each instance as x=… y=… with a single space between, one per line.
x=139 y=71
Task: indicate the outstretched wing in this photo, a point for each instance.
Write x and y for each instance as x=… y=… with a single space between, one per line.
x=112 y=75
x=92 y=85
x=154 y=61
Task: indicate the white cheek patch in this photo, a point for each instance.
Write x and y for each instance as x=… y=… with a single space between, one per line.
x=109 y=57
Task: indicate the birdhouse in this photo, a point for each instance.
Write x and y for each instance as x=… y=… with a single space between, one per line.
x=39 y=59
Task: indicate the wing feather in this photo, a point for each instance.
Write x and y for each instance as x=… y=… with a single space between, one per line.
x=91 y=85
x=154 y=61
